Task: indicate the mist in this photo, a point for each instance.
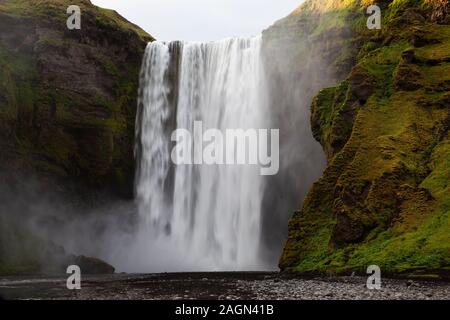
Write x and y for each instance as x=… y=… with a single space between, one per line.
x=141 y=237
x=183 y=223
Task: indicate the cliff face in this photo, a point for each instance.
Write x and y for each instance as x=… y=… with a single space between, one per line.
x=68 y=104
x=384 y=197
x=67 y=113
x=68 y=97
x=302 y=54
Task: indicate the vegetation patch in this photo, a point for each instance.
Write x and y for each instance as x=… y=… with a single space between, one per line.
x=384 y=198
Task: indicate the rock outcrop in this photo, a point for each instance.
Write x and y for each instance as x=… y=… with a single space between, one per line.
x=89 y=265
x=384 y=198
x=68 y=97
x=302 y=53
x=67 y=113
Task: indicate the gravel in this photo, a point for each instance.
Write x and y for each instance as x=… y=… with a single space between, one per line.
x=219 y=286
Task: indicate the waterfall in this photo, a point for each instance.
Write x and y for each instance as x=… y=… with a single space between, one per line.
x=199 y=217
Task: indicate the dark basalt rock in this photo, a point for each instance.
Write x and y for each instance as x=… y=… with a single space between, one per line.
x=407 y=77
x=55 y=259
x=347 y=231
x=408 y=56
x=362 y=85
x=89 y=265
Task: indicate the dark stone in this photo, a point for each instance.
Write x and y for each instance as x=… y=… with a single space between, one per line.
x=362 y=84
x=408 y=56
x=90 y=265
x=347 y=230
x=411 y=283
x=407 y=78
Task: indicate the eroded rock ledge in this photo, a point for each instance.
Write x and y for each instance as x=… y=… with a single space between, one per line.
x=384 y=198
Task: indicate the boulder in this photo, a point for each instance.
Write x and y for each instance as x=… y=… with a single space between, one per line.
x=89 y=265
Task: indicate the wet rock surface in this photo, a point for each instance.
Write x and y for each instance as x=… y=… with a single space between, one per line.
x=219 y=286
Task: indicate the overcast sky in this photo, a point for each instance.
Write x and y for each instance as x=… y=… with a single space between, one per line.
x=201 y=20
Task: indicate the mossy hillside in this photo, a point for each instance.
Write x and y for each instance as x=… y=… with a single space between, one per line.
x=320 y=29
x=15 y=69
x=324 y=15
x=67 y=112
x=55 y=11
x=383 y=198
x=68 y=98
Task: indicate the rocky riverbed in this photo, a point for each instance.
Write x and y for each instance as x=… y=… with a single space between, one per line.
x=222 y=286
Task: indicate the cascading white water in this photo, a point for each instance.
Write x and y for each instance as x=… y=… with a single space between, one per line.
x=199 y=217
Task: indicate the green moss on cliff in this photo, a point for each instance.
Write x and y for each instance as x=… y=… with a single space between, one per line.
x=111 y=18
x=384 y=198
x=67 y=107
x=66 y=94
